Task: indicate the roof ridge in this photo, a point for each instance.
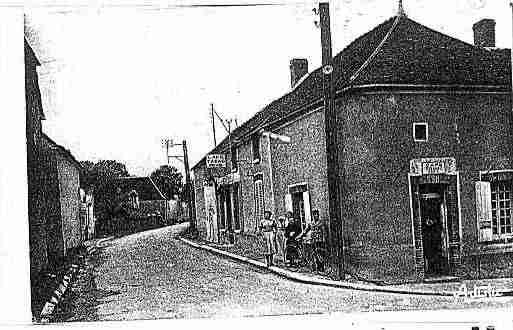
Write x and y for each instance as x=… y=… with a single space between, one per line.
x=376 y=51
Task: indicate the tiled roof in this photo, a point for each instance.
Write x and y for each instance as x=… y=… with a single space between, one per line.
x=145 y=187
x=398 y=51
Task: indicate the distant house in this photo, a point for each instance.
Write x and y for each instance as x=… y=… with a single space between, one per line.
x=148 y=199
x=61 y=181
x=34 y=115
x=138 y=205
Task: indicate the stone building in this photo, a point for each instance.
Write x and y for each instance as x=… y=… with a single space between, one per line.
x=37 y=219
x=61 y=182
x=424 y=156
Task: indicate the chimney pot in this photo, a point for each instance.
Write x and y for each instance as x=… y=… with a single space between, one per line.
x=298 y=69
x=484 y=33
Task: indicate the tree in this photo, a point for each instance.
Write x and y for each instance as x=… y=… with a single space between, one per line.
x=168 y=180
x=98 y=176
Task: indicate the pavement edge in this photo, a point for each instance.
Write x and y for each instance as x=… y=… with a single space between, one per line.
x=310 y=280
x=58 y=293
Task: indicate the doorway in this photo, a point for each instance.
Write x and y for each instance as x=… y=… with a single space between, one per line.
x=434 y=229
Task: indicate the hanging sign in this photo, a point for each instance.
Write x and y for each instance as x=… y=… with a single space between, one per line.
x=429 y=166
x=228 y=179
x=216 y=161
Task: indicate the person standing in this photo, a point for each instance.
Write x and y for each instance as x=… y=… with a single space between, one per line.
x=280 y=236
x=267 y=227
x=292 y=231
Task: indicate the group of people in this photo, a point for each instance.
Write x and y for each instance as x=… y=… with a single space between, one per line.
x=287 y=235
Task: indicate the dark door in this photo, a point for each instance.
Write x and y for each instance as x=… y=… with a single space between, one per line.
x=298 y=207
x=433 y=229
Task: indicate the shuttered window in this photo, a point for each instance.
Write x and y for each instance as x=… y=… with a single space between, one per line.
x=494 y=206
x=484 y=211
x=501 y=209
x=258 y=191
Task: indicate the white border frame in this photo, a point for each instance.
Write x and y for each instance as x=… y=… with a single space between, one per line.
x=427 y=131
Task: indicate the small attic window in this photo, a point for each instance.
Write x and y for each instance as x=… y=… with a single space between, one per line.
x=420 y=132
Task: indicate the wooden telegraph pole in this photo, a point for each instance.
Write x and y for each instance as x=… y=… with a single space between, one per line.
x=336 y=227
x=189 y=187
x=213 y=123
x=189 y=190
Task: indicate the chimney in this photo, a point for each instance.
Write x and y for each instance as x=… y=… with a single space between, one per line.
x=298 y=69
x=484 y=33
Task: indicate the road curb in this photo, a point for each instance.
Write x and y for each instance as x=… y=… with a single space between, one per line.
x=310 y=280
x=67 y=280
x=58 y=294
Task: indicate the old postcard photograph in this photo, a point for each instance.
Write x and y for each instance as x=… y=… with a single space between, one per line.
x=233 y=159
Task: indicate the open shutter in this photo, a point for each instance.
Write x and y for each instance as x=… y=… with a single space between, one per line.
x=484 y=211
x=306 y=201
x=288 y=203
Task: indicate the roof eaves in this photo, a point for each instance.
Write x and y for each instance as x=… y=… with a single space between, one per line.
x=63 y=151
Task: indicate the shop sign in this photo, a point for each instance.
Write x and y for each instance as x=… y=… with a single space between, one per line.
x=216 y=161
x=228 y=179
x=430 y=166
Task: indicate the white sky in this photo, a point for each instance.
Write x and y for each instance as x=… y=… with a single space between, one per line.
x=117 y=79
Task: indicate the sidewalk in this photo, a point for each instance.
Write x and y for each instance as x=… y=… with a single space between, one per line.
x=503 y=287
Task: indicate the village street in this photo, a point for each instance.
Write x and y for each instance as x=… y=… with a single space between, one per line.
x=153 y=275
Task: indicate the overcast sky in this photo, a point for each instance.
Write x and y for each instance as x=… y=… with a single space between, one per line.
x=115 y=80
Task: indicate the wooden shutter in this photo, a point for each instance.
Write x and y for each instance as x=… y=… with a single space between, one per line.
x=484 y=211
x=288 y=203
x=306 y=202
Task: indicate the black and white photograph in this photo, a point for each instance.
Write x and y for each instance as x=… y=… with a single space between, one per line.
x=185 y=160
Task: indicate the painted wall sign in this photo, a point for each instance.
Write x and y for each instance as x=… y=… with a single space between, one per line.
x=228 y=179
x=430 y=166
x=216 y=161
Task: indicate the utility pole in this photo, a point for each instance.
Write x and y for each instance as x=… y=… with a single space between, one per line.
x=213 y=123
x=167 y=143
x=336 y=224
x=189 y=191
x=229 y=223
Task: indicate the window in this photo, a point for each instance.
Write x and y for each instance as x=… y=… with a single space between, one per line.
x=258 y=192
x=420 y=132
x=501 y=209
x=255 y=144
x=494 y=209
x=234 y=158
